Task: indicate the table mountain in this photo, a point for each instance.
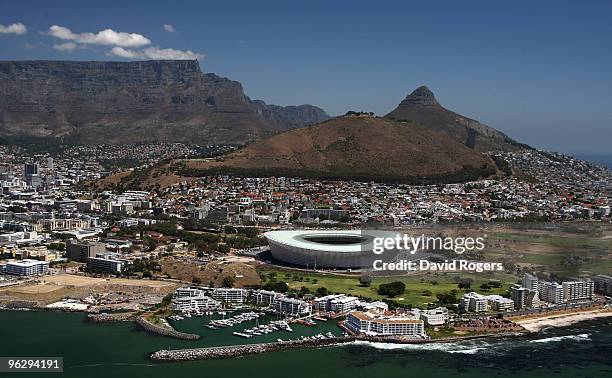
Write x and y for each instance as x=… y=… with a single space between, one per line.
x=127 y=102
x=421 y=107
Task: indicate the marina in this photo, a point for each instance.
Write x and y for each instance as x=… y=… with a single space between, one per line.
x=264 y=329
x=234 y=320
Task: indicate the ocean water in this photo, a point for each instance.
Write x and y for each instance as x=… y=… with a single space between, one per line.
x=121 y=350
x=605 y=160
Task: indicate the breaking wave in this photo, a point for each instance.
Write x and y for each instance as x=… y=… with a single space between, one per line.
x=439 y=347
x=580 y=337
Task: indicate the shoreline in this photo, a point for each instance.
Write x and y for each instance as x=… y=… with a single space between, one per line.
x=537 y=324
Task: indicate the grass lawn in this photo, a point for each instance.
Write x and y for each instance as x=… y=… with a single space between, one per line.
x=416 y=285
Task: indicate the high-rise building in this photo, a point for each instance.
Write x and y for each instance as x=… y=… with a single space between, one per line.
x=31 y=169
x=551 y=292
x=603 y=284
x=31 y=175
x=577 y=290
x=523 y=297
x=530 y=281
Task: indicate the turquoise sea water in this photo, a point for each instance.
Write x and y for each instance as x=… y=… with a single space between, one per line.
x=121 y=350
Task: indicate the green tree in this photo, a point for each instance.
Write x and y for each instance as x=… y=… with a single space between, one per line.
x=392 y=289
x=365 y=280
x=228 y=281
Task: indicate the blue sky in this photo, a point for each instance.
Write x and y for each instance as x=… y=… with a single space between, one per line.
x=539 y=71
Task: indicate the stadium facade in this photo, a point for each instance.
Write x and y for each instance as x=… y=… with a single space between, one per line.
x=320 y=248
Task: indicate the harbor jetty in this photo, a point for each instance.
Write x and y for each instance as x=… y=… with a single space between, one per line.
x=113 y=317
x=232 y=351
x=164 y=331
x=245 y=349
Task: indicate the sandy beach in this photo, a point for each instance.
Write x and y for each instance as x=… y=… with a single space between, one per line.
x=562 y=320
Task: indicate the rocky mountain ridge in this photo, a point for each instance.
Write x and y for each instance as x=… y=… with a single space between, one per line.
x=127 y=102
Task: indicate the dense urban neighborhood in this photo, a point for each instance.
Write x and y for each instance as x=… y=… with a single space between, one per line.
x=199 y=246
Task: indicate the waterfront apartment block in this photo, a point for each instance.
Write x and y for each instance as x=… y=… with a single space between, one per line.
x=343 y=304
x=291 y=306
x=578 y=290
x=324 y=303
x=603 y=284
x=187 y=292
x=523 y=297
x=263 y=297
x=377 y=324
x=435 y=317
x=199 y=302
x=567 y=291
x=530 y=282
x=499 y=303
x=26 y=267
x=474 y=302
x=551 y=292
x=336 y=303
x=231 y=295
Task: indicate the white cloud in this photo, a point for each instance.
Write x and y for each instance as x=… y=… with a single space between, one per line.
x=17 y=28
x=169 y=28
x=124 y=53
x=155 y=53
x=67 y=47
x=104 y=37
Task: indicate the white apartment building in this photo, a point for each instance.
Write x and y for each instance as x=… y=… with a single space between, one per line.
x=26 y=267
x=343 y=304
x=291 y=306
x=499 y=303
x=435 y=317
x=523 y=297
x=550 y=292
x=377 y=324
x=233 y=295
x=474 y=302
x=603 y=284
x=578 y=289
x=200 y=302
x=530 y=281
x=186 y=292
x=263 y=297
x=324 y=303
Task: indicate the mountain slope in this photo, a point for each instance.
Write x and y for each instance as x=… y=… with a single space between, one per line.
x=354 y=147
x=421 y=107
x=126 y=102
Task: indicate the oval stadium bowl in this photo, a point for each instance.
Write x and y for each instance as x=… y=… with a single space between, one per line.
x=319 y=249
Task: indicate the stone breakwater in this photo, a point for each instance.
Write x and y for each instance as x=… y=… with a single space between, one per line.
x=244 y=350
x=105 y=318
x=233 y=351
x=164 y=331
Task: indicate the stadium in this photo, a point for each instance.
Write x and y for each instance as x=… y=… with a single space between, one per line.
x=320 y=249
